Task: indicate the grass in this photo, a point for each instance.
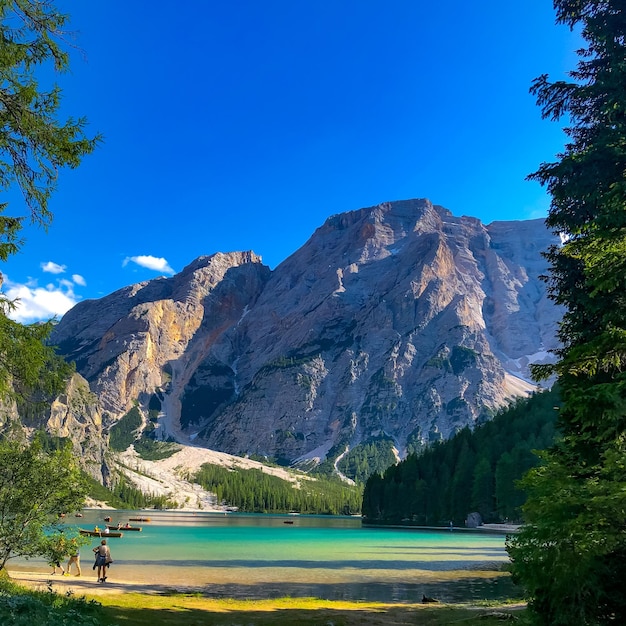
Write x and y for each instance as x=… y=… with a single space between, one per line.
x=192 y=610
x=23 y=606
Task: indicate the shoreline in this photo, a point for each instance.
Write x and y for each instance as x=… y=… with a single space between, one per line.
x=88 y=585
x=489 y=528
x=501 y=529
x=218 y=560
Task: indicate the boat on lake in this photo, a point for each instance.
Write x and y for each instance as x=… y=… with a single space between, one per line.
x=139 y=519
x=99 y=533
x=124 y=527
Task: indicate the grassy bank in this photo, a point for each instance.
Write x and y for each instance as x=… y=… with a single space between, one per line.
x=24 y=606
x=141 y=610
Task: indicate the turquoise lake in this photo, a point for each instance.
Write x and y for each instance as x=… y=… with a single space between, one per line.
x=266 y=556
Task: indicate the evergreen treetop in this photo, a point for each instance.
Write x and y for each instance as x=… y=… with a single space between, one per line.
x=35 y=144
x=571 y=553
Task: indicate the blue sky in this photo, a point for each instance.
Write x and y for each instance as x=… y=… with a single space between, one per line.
x=243 y=125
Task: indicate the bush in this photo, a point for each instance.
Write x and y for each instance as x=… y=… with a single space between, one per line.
x=23 y=607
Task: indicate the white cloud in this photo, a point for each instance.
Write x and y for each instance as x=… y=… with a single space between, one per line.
x=39 y=303
x=53 y=268
x=151 y=263
x=79 y=280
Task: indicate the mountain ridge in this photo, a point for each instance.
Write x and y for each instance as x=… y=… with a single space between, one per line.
x=398 y=320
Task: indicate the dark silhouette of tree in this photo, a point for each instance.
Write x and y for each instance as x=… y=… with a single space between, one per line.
x=473 y=471
x=35 y=145
x=572 y=550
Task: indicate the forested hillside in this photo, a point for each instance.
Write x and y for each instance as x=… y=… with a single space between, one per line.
x=253 y=491
x=472 y=471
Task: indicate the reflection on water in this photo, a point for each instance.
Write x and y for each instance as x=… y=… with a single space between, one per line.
x=267 y=556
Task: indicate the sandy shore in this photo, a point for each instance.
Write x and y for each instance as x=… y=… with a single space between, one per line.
x=207 y=580
x=87 y=584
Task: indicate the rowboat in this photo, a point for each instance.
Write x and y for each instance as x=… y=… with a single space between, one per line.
x=99 y=533
x=124 y=527
x=138 y=519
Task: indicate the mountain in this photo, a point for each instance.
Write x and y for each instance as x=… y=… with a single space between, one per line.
x=75 y=415
x=398 y=321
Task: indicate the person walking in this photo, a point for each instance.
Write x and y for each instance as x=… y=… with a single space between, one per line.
x=73 y=560
x=103 y=558
x=54 y=547
x=57 y=565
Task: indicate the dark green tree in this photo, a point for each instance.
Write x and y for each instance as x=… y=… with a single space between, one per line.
x=507 y=500
x=474 y=470
x=34 y=143
x=483 y=488
x=56 y=547
x=571 y=554
x=34 y=146
x=35 y=488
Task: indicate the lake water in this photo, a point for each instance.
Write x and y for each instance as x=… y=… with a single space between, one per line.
x=265 y=556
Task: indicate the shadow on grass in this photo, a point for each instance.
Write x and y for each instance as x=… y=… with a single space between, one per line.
x=181 y=613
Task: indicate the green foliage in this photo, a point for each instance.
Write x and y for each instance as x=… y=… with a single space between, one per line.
x=35 y=487
x=254 y=491
x=472 y=471
x=29 y=369
x=571 y=556
x=125 y=496
x=134 y=498
x=367 y=458
x=34 y=144
x=24 y=607
x=462 y=358
x=152 y=450
x=50 y=443
x=124 y=431
x=58 y=546
x=147 y=446
x=99 y=492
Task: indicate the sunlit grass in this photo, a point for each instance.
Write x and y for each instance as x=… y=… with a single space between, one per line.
x=46 y=608
x=191 y=609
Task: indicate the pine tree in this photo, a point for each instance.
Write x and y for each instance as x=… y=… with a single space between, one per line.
x=571 y=554
x=34 y=146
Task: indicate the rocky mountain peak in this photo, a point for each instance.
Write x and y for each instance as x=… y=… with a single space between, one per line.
x=399 y=321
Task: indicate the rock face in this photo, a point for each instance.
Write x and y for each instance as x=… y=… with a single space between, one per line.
x=142 y=337
x=74 y=415
x=399 y=320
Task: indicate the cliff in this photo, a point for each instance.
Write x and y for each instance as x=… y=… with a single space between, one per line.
x=399 y=321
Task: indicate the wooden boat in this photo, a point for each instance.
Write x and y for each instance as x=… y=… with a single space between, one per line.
x=100 y=533
x=124 y=528
x=138 y=519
